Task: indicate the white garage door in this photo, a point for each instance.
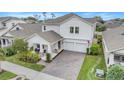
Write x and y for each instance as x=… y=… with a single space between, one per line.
x=79 y=47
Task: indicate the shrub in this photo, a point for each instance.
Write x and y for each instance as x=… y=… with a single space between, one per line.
x=9 y=51
x=48 y=57
x=94 y=50
x=29 y=56
x=100 y=28
x=99 y=39
x=20 y=45
x=115 y=72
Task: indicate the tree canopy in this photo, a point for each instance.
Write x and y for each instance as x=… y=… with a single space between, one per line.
x=115 y=72
x=20 y=45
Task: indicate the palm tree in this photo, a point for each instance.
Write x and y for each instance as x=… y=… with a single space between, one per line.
x=53 y=15
x=37 y=17
x=45 y=15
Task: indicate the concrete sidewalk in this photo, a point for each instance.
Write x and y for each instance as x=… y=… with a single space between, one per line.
x=29 y=73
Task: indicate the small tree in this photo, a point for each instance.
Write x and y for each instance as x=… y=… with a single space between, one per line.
x=115 y=72
x=20 y=45
x=100 y=28
x=94 y=50
x=48 y=57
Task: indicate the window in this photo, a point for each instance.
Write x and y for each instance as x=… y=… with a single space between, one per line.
x=76 y=30
x=17 y=28
x=117 y=57
x=71 y=29
x=4 y=41
x=4 y=24
x=44 y=27
x=13 y=24
x=108 y=61
x=43 y=46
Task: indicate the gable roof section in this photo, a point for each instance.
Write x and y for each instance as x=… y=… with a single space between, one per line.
x=30 y=29
x=61 y=19
x=114 y=38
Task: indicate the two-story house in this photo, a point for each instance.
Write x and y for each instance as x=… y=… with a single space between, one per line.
x=69 y=32
x=6 y=24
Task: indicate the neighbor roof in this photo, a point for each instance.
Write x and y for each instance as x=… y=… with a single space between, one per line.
x=114 y=38
x=58 y=20
x=4 y=19
x=112 y=25
x=30 y=29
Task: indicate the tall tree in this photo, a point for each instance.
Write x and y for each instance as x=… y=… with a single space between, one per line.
x=53 y=15
x=45 y=15
x=37 y=16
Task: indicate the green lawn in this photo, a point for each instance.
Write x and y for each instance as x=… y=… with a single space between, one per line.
x=91 y=63
x=13 y=59
x=6 y=75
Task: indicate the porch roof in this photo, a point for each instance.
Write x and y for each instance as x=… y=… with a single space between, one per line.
x=50 y=36
x=121 y=52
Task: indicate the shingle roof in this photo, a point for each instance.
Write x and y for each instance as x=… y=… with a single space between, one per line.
x=114 y=38
x=58 y=20
x=91 y=20
x=4 y=19
x=112 y=25
x=50 y=36
x=29 y=29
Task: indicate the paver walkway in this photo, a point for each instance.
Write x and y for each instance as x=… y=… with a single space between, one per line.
x=29 y=73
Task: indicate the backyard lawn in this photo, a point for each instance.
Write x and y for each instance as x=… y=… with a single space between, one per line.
x=14 y=59
x=7 y=75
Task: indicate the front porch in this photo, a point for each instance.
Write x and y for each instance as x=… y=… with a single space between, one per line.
x=5 y=42
x=54 y=49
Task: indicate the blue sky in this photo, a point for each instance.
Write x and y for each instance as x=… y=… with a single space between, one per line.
x=104 y=15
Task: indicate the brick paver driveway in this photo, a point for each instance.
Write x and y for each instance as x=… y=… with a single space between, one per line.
x=66 y=65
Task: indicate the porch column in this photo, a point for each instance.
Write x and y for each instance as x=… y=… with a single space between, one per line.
x=49 y=49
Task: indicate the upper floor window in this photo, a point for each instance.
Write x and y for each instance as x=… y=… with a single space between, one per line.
x=17 y=28
x=44 y=27
x=76 y=30
x=71 y=29
x=13 y=24
x=4 y=24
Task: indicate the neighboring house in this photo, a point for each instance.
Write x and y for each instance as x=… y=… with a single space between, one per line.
x=113 y=44
x=69 y=32
x=110 y=24
x=6 y=24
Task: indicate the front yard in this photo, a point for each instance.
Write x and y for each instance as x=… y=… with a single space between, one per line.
x=34 y=66
x=7 y=75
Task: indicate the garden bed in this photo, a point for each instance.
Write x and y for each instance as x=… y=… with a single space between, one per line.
x=34 y=66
